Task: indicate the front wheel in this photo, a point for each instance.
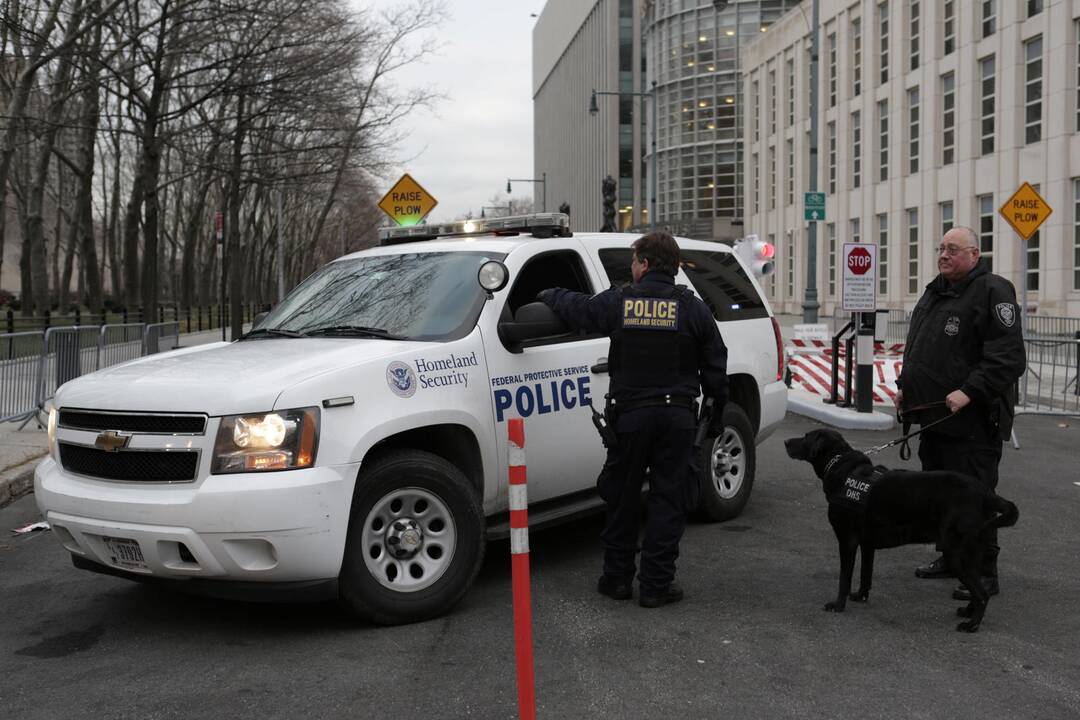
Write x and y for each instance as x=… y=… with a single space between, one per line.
x=416 y=539
x=727 y=464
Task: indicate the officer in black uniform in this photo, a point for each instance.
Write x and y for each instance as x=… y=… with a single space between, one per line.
x=963 y=355
x=665 y=348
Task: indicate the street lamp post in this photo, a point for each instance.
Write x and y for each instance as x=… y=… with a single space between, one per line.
x=543 y=188
x=810 y=296
x=594 y=109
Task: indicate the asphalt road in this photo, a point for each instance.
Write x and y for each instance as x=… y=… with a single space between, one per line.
x=749 y=641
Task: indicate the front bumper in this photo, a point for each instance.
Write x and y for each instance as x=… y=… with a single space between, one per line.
x=274 y=527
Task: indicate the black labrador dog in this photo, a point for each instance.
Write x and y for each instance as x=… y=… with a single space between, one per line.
x=873 y=507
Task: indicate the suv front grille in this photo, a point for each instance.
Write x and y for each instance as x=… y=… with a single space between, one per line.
x=133 y=422
x=135 y=465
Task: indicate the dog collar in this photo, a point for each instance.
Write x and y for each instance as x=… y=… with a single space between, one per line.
x=829 y=465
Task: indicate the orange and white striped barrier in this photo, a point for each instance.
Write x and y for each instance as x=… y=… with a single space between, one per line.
x=813 y=372
x=519 y=554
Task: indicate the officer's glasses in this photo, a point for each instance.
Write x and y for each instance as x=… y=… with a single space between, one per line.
x=952 y=250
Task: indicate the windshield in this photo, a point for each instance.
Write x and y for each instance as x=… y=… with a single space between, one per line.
x=416 y=296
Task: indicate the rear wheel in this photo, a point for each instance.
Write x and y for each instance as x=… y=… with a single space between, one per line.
x=416 y=539
x=728 y=462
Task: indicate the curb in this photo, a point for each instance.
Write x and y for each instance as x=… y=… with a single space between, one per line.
x=18 y=481
x=812 y=407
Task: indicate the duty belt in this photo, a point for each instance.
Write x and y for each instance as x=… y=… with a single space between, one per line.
x=681 y=401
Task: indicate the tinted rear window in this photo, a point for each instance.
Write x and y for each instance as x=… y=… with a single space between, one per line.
x=717 y=277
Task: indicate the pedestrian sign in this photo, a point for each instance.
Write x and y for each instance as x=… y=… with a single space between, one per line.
x=814 y=206
x=1025 y=211
x=407 y=203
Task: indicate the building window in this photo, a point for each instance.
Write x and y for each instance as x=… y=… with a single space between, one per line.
x=856 y=57
x=754 y=104
x=789 y=71
x=987 y=74
x=790 y=171
x=830 y=234
x=883 y=254
x=883 y=140
x=856 y=149
x=790 y=263
x=948 y=27
x=832 y=157
x=831 y=41
x=772 y=177
x=913 y=250
x=989 y=17
x=883 y=42
x=855 y=236
x=948 y=118
x=772 y=102
x=986 y=228
x=1076 y=234
x=1034 y=7
x=913 y=35
x=946 y=210
x=755 y=170
x=1033 y=91
x=913 y=129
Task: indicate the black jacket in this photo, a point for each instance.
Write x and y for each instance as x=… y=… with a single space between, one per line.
x=603 y=313
x=965 y=336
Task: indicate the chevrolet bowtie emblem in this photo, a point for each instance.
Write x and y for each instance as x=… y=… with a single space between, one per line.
x=111 y=441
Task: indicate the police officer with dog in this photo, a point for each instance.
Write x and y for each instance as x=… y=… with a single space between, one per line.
x=963 y=355
x=665 y=349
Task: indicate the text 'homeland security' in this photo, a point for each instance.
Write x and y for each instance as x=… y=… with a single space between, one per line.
x=447 y=367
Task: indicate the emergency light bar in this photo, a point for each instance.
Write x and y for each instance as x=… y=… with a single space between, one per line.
x=541 y=225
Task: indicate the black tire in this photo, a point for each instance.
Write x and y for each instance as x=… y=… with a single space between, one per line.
x=416 y=539
x=727 y=465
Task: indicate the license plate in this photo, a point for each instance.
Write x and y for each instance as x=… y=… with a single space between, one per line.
x=125 y=553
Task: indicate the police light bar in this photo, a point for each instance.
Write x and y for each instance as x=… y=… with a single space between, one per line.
x=544 y=225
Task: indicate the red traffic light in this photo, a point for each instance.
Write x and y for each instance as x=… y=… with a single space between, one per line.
x=765 y=250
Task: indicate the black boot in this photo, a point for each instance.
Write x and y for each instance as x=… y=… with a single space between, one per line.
x=989 y=583
x=673 y=594
x=614 y=589
x=936 y=569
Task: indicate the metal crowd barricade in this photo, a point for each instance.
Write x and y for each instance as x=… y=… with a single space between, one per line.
x=119 y=343
x=1050 y=386
x=66 y=353
x=159 y=337
x=20 y=356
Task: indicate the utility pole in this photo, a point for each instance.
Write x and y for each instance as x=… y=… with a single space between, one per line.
x=810 y=296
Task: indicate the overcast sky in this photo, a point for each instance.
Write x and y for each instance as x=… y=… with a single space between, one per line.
x=481 y=134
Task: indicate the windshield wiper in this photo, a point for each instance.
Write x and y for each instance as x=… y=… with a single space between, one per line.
x=271 y=332
x=354 y=331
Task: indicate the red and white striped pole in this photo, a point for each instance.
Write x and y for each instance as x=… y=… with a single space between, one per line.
x=519 y=554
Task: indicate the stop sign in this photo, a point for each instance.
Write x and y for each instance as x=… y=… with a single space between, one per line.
x=858 y=261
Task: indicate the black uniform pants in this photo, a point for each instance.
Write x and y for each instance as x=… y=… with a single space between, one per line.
x=976 y=456
x=659 y=439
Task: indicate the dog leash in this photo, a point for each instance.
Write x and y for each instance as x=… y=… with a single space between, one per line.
x=905 y=450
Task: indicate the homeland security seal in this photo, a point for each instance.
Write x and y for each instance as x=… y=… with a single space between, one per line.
x=1006 y=313
x=401 y=379
x=952 y=325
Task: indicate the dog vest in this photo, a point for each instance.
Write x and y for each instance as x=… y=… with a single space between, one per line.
x=854 y=491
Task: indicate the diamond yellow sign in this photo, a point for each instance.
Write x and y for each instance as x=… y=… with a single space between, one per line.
x=1025 y=211
x=407 y=203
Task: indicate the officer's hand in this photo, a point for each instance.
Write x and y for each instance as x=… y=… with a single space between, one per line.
x=545 y=296
x=898 y=400
x=716 y=422
x=957 y=400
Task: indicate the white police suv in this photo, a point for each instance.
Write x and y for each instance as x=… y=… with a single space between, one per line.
x=353 y=444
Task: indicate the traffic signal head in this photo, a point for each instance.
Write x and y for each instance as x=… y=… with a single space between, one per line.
x=757 y=254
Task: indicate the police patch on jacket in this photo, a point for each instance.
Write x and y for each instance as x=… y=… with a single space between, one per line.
x=854 y=493
x=952 y=325
x=1006 y=313
x=650 y=313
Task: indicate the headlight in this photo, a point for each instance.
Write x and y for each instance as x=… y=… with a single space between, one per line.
x=53 y=418
x=279 y=440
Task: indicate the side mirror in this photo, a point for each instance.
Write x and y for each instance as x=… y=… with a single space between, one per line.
x=532 y=321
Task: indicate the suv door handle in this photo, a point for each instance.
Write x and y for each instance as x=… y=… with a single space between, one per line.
x=601 y=366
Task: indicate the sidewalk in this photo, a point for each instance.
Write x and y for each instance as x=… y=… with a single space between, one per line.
x=22 y=450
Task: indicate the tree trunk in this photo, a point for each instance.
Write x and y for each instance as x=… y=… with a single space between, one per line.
x=234 y=263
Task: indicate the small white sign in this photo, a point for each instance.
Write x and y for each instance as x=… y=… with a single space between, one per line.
x=810 y=331
x=860 y=277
